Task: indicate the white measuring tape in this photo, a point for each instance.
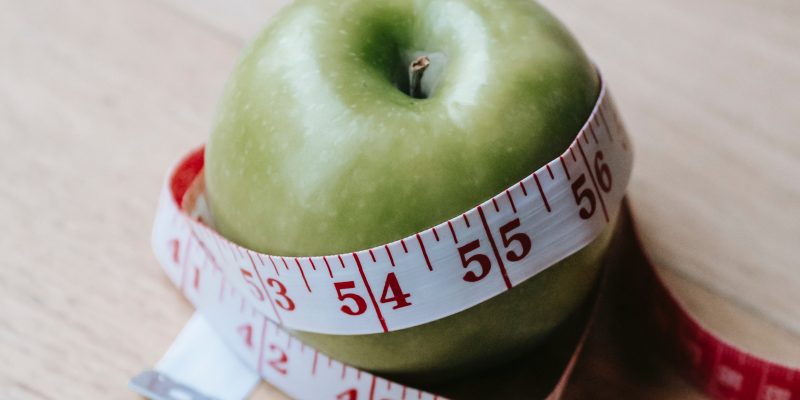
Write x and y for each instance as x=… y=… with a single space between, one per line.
x=455 y=265
x=248 y=296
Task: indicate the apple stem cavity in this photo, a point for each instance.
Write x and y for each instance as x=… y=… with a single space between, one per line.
x=415 y=72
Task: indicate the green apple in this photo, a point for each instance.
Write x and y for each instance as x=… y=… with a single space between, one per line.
x=325 y=143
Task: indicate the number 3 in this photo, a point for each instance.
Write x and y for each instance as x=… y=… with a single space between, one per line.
x=287 y=303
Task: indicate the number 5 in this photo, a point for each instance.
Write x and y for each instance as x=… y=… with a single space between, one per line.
x=519 y=237
x=360 y=304
x=248 y=279
x=581 y=194
x=481 y=259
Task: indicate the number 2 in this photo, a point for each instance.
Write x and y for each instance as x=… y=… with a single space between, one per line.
x=278 y=364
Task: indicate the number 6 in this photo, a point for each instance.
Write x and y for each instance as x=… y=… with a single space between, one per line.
x=602 y=172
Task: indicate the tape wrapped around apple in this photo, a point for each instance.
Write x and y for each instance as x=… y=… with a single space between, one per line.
x=349 y=124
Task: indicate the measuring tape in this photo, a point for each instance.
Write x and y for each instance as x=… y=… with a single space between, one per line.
x=249 y=297
x=438 y=272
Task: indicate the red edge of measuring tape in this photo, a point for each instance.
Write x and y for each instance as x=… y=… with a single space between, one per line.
x=182 y=181
x=714 y=365
x=185 y=173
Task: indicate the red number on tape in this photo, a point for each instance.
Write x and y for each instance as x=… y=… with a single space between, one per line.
x=360 y=304
x=278 y=364
x=350 y=394
x=519 y=237
x=284 y=302
x=581 y=194
x=482 y=260
x=246 y=331
x=398 y=296
x=248 y=279
x=604 y=181
x=602 y=172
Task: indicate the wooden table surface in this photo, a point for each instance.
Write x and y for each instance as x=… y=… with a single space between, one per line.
x=98 y=97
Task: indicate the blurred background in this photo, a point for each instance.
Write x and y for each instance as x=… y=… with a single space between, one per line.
x=97 y=98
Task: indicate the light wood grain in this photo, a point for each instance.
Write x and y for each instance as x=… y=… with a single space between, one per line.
x=98 y=97
x=708 y=91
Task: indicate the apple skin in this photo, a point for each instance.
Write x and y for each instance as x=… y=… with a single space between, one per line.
x=318 y=150
x=491 y=332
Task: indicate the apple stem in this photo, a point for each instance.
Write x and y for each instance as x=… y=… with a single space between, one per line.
x=415 y=72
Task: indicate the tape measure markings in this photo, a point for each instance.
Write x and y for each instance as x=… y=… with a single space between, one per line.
x=591 y=175
x=236 y=307
x=424 y=252
x=563 y=166
x=263 y=286
x=369 y=288
x=541 y=192
x=497 y=257
x=235 y=269
x=277 y=356
x=715 y=365
x=485 y=271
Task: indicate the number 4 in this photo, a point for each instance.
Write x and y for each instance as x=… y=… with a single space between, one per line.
x=398 y=296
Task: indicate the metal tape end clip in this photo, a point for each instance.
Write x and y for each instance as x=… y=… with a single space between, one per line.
x=157 y=386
